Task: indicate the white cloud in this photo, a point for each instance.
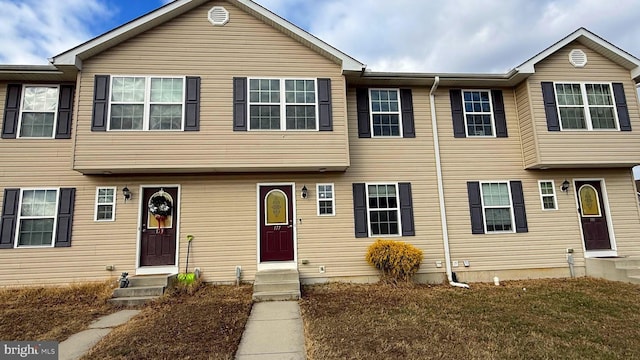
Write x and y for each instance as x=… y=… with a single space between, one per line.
x=33 y=30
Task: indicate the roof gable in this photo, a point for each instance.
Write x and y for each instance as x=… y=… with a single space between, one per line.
x=75 y=56
x=592 y=41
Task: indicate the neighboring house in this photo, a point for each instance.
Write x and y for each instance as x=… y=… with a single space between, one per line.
x=275 y=150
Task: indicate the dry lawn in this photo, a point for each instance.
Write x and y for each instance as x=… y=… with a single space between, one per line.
x=51 y=313
x=206 y=324
x=552 y=319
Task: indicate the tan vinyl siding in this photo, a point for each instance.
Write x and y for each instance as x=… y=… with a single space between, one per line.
x=527 y=133
x=190 y=46
x=584 y=148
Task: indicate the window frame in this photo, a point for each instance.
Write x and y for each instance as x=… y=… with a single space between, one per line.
x=147 y=102
x=585 y=104
x=511 y=212
x=55 y=112
x=19 y=218
x=372 y=113
x=399 y=215
x=98 y=203
x=553 y=195
x=332 y=199
x=491 y=114
x=282 y=104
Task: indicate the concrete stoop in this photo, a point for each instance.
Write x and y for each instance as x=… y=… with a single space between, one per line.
x=142 y=288
x=276 y=285
x=624 y=268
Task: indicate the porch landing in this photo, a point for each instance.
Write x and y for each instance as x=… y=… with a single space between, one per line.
x=623 y=268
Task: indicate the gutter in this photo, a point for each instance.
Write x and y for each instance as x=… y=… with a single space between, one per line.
x=443 y=214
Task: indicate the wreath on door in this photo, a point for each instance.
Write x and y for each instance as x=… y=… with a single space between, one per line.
x=160 y=207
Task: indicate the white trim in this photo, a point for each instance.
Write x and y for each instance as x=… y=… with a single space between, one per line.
x=55 y=112
x=277 y=264
x=399 y=215
x=399 y=112
x=97 y=203
x=19 y=218
x=585 y=104
x=149 y=270
x=332 y=199
x=283 y=103
x=553 y=195
x=612 y=237
x=146 y=103
x=491 y=114
x=511 y=212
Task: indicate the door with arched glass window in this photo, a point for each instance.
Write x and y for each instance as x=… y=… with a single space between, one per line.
x=276 y=223
x=595 y=229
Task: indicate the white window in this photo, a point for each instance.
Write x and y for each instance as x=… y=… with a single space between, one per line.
x=497 y=207
x=586 y=106
x=283 y=104
x=38 y=111
x=37 y=217
x=326 y=205
x=547 y=195
x=105 y=204
x=146 y=103
x=383 y=209
x=385 y=112
x=478 y=113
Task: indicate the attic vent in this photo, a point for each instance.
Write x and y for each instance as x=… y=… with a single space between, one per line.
x=218 y=15
x=578 y=58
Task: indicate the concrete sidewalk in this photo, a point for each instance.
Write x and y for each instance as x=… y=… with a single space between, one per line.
x=79 y=344
x=274 y=331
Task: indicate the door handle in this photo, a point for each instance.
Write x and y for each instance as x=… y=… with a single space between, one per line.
x=290 y=226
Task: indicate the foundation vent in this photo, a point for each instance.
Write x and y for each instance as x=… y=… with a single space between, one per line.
x=218 y=15
x=578 y=58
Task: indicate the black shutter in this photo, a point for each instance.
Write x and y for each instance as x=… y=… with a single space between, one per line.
x=11 y=111
x=475 y=207
x=239 y=104
x=406 y=209
x=360 y=210
x=9 y=218
x=518 y=206
x=100 y=103
x=192 y=104
x=406 y=103
x=550 y=109
x=457 y=113
x=621 y=107
x=364 y=123
x=65 y=217
x=65 y=111
x=499 y=114
x=324 y=104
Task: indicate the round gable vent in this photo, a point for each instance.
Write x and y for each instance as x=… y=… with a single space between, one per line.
x=578 y=58
x=218 y=15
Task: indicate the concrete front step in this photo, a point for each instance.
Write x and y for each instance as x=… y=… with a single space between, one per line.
x=276 y=295
x=132 y=300
x=626 y=269
x=151 y=280
x=276 y=285
x=138 y=291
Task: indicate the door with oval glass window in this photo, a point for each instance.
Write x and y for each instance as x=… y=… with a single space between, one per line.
x=158 y=226
x=593 y=217
x=276 y=223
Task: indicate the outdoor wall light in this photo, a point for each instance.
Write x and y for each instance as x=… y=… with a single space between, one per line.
x=126 y=193
x=565 y=186
x=304 y=192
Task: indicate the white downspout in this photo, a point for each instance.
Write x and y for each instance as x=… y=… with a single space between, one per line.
x=443 y=214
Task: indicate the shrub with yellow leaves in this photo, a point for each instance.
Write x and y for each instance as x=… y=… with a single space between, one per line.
x=397 y=260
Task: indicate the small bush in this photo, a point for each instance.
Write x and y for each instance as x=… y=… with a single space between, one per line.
x=397 y=260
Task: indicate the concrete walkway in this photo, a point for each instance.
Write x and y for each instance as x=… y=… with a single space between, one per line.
x=79 y=344
x=274 y=331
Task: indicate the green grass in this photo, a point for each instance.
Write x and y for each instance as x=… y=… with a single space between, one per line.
x=551 y=319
